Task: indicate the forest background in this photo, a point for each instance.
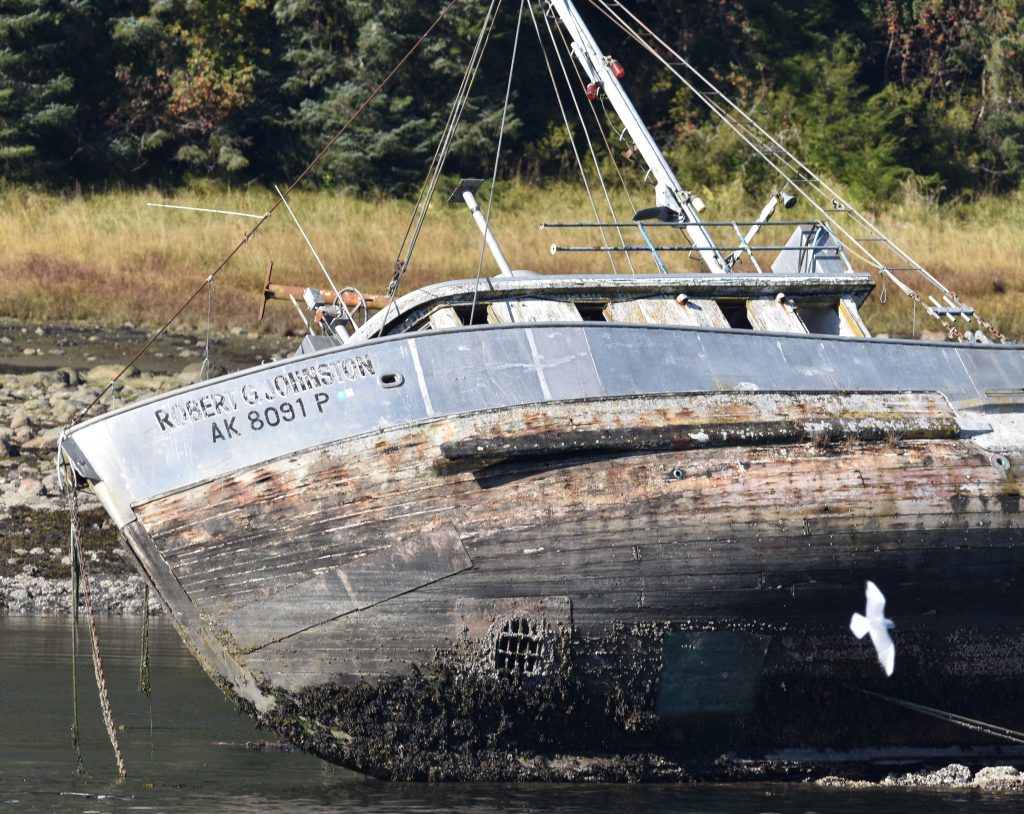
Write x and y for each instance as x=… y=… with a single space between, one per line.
x=902 y=100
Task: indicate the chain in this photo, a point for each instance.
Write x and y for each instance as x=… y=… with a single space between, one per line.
x=991 y=329
x=97 y=663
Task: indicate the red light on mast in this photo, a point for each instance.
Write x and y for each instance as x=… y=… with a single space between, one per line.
x=617 y=69
x=592 y=90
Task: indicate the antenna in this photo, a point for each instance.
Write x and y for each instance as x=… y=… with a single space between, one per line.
x=302 y=232
x=211 y=211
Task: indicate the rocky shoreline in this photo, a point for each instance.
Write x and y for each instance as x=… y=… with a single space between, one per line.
x=47 y=375
x=35 y=561
x=953 y=776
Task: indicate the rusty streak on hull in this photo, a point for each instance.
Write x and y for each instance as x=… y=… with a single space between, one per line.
x=590 y=579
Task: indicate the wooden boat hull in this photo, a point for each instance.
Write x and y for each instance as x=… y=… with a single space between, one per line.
x=618 y=586
x=665 y=576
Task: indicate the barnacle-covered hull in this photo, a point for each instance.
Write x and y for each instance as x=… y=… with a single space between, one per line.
x=564 y=551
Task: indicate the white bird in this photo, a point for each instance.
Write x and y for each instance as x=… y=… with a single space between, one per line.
x=874 y=622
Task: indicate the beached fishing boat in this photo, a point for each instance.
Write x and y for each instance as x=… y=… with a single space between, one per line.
x=540 y=526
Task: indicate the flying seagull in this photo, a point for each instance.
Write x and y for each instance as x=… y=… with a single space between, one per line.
x=874 y=622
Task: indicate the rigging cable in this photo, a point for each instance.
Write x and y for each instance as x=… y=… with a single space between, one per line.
x=712 y=105
x=448 y=135
x=615 y=163
x=770 y=143
x=497 y=160
x=838 y=204
x=568 y=128
x=590 y=146
x=580 y=119
x=429 y=185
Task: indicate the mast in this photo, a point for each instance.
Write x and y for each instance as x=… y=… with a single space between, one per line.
x=604 y=72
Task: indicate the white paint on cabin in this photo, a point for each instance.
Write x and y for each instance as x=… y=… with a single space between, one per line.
x=850 y=323
x=667 y=311
x=774 y=315
x=446 y=317
x=532 y=311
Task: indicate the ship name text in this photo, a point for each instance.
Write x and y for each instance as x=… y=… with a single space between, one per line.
x=283 y=391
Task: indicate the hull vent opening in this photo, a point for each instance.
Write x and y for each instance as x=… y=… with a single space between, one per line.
x=520 y=647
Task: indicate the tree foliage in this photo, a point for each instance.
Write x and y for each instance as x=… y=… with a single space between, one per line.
x=874 y=92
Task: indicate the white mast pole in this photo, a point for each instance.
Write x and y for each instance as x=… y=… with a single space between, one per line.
x=668 y=192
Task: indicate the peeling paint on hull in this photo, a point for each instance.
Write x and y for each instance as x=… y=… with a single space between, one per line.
x=621 y=589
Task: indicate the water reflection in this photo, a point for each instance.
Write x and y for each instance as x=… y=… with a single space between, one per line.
x=186 y=750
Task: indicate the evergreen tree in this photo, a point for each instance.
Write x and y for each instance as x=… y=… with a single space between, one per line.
x=137 y=91
x=53 y=90
x=390 y=146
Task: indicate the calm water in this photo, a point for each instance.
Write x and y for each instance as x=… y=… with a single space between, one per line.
x=186 y=752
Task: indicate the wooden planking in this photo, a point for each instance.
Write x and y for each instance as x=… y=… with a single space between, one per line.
x=400 y=565
x=392 y=635
x=208 y=650
x=667 y=311
x=319 y=520
x=532 y=311
x=774 y=315
x=304 y=529
x=380 y=640
x=710 y=538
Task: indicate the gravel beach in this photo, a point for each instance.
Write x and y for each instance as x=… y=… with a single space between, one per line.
x=47 y=375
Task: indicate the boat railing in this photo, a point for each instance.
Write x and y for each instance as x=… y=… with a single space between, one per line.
x=814 y=240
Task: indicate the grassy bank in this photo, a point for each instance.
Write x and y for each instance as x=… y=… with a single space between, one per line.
x=109 y=258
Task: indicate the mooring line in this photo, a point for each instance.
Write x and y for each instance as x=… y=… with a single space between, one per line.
x=97 y=663
x=973 y=724
x=75 y=739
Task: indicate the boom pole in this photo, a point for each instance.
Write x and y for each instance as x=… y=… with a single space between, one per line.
x=602 y=70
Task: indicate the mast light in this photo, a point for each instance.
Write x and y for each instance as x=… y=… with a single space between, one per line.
x=617 y=69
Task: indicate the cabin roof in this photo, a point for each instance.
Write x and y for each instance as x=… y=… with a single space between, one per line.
x=597 y=287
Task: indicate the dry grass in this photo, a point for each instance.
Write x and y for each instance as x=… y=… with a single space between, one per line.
x=109 y=258
x=976 y=250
